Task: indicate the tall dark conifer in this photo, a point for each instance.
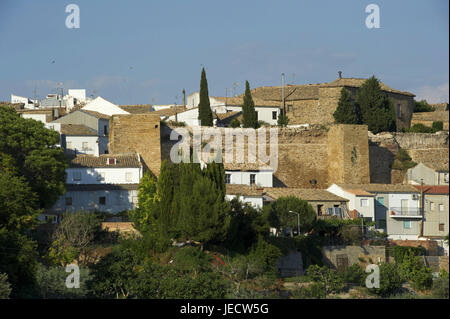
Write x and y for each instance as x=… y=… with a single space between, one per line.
x=204 y=107
x=249 y=115
x=346 y=111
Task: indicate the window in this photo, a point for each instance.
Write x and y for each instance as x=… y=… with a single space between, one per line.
x=364 y=203
x=257 y=115
x=274 y=115
x=319 y=210
x=441 y=227
x=407 y=224
x=431 y=206
x=69 y=145
x=441 y=207
x=128 y=177
x=227 y=178
x=85 y=146
x=102 y=200
x=252 y=179
x=76 y=176
x=101 y=176
x=68 y=201
x=105 y=130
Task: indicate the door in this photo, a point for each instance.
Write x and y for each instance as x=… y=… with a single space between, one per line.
x=404 y=207
x=341 y=262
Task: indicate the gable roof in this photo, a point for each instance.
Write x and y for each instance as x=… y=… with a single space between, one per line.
x=358 y=82
x=137 y=109
x=308 y=194
x=130 y=160
x=380 y=188
x=238 y=101
x=244 y=190
x=77 y=130
x=103 y=106
x=434 y=189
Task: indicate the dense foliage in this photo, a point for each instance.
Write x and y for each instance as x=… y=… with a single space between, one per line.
x=422 y=106
x=347 y=112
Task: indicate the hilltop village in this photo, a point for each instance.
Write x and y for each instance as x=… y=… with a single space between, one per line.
x=379 y=178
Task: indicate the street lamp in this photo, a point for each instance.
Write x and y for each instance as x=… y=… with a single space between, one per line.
x=298 y=221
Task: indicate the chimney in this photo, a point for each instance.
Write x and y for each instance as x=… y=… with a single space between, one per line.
x=340 y=74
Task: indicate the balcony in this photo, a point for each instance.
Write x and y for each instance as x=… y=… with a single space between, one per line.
x=405 y=212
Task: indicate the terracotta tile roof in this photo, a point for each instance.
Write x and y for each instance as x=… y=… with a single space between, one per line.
x=238 y=101
x=381 y=188
x=307 y=194
x=100 y=187
x=245 y=190
x=434 y=189
x=77 y=130
x=96 y=114
x=357 y=82
x=357 y=192
x=122 y=160
x=170 y=111
x=137 y=109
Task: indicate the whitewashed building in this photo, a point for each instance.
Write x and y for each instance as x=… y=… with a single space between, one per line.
x=107 y=183
x=246 y=194
x=27 y=103
x=361 y=201
x=250 y=174
x=80 y=139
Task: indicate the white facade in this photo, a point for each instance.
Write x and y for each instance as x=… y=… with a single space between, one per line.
x=365 y=205
x=28 y=104
x=103 y=106
x=37 y=117
x=90 y=145
x=265 y=113
x=190 y=117
x=261 y=178
x=79 y=94
x=102 y=175
x=255 y=201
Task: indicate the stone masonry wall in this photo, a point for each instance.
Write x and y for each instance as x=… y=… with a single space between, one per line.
x=139 y=133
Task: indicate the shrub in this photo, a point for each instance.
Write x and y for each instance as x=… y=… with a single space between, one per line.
x=5 y=287
x=440 y=288
x=438 y=126
x=235 y=123
x=390 y=280
x=313 y=291
x=264 y=257
x=423 y=106
x=354 y=274
x=327 y=278
x=420 y=128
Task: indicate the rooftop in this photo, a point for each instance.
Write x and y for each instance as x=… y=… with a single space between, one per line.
x=121 y=160
x=96 y=114
x=380 y=188
x=137 y=109
x=434 y=189
x=244 y=190
x=100 y=187
x=77 y=130
x=307 y=194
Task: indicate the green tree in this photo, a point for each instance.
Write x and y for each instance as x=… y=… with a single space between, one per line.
x=5 y=287
x=73 y=236
x=346 y=111
x=282 y=208
x=235 y=123
x=204 y=108
x=327 y=278
x=422 y=106
x=143 y=217
x=249 y=115
x=283 y=120
x=27 y=149
x=438 y=126
x=390 y=280
x=377 y=110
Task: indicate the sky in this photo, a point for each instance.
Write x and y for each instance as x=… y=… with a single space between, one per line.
x=147 y=52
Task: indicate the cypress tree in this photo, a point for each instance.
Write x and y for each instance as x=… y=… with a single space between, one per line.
x=204 y=108
x=377 y=110
x=347 y=112
x=165 y=195
x=249 y=116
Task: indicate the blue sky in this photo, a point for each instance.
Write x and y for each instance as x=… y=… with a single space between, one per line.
x=140 y=52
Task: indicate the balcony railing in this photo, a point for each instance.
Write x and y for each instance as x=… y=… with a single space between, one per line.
x=405 y=212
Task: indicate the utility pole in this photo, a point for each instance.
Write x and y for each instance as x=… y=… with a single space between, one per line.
x=226 y=97
x=421 y=208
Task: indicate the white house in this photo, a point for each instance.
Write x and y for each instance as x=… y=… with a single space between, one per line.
x=358 y=199
x=28 y=103
x=80 y=139
x=107 y=183
x=190 y=117
x=248 y=174
x=103 y=106
x=428 y=175
x=246 y=194
x=78 y=94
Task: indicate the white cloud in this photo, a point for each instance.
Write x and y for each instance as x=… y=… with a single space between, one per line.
x=438 y=94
